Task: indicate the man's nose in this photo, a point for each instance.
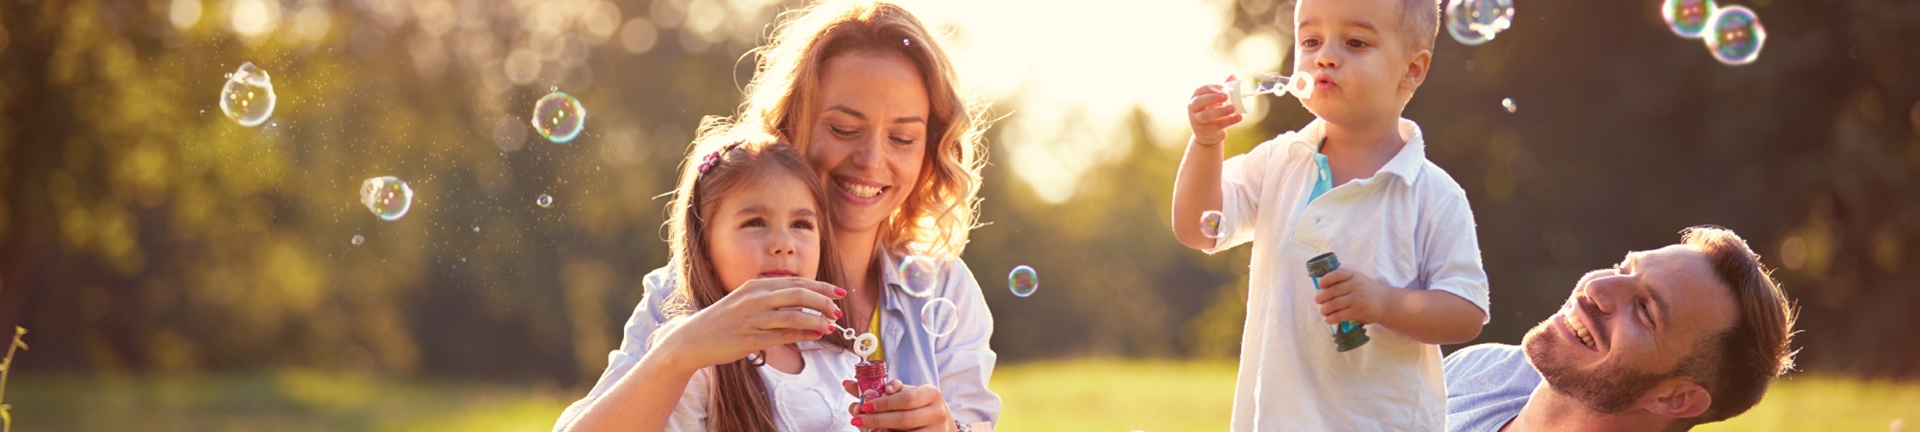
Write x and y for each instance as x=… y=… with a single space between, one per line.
x=1608 y=292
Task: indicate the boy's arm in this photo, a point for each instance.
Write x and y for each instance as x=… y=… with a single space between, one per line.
x=1196 y=188
x=1428 y=316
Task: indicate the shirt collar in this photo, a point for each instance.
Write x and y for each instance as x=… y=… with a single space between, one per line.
x=1405 y=165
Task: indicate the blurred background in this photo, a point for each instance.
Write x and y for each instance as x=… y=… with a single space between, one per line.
x=178 y=271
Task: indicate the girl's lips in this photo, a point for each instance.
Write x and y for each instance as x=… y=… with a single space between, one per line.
x=778 y=273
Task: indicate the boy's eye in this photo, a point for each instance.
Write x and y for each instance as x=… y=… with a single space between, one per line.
x=1309 y=42
x=1356 y=43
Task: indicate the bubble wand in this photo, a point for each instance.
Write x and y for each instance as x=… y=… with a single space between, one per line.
x=1247 y=85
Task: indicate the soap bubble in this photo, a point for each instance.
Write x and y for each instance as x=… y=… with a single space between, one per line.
x=1210 y=223
x=388 y=197
x=357 y=239
x=544 y=200
x=248 y=96
x=1508 y=104
x=1023 y=281
x=1688 y=18
x=559 y=117
x=1474 y=22
x=1737 y=35
x=939 y=317
x=920 y=274
x=1248 y=85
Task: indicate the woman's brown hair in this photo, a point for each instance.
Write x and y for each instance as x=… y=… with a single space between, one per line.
x=943 y=204
x=718 y=165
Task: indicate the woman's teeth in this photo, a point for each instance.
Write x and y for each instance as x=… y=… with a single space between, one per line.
x=1586 y=337
x=862 y=191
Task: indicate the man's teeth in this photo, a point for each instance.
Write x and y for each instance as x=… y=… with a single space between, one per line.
x=1586 y=337
x=862 y=191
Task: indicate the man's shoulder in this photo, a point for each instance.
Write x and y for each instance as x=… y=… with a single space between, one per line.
x=1482 y=358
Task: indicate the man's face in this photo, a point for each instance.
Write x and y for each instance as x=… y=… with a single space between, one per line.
x=1626 y=329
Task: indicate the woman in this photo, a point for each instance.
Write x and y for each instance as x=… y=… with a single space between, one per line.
x=866 y=94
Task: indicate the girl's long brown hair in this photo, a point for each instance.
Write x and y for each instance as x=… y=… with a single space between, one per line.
x=739 y=401
x=784 y=96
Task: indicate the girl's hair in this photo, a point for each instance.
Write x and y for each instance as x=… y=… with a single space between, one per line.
x=784 y=96
x=716 y=167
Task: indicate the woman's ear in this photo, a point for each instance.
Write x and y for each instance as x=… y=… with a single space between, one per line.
x=1677 y=397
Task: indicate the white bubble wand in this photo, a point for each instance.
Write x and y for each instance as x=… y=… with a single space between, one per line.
x=1247 y=85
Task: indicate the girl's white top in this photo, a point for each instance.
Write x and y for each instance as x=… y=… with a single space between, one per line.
x=811 y=400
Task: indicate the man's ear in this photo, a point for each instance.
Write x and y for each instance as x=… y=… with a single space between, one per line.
x=1678 y=398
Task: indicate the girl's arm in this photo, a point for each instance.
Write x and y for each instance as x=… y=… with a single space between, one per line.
x=642 y=400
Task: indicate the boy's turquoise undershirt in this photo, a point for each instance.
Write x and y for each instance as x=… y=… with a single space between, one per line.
x=1322 y=180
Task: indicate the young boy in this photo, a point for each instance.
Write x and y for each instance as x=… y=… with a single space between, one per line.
x=1355 y=182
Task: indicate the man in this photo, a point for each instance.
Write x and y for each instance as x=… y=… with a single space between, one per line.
x=1670 y=338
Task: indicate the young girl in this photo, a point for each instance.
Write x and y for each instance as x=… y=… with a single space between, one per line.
x=751 y=210
x=740 y=346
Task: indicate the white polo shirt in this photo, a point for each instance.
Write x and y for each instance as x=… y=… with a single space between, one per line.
x=1407 y=226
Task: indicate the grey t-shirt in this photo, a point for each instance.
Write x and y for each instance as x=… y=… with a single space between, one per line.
x=1487 y=384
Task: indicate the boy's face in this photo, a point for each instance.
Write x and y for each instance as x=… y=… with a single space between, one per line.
x=1363 y=67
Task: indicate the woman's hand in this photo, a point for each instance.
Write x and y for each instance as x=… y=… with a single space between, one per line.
x=761 y=313
x=904 y=408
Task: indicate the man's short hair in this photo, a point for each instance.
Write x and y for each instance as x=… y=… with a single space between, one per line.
x=1737 y=365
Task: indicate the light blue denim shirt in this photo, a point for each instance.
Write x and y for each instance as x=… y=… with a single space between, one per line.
x=959 y=363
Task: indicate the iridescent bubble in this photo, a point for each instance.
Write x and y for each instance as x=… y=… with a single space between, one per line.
x=1508 y=104
x=357 y=239
x=248 y=96
x=1737 y=35
x=544 y=200
x=1475 y=22
x=939 y=317
x=919 y=274
x=1687 y=18
x=1210 y=223
x=1023 y=281
x=559 y=117
x=388 y=197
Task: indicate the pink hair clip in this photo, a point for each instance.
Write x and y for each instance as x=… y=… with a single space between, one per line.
x=712 y=159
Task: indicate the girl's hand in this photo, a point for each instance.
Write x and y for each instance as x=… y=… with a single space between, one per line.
x=904 y=408
x=751 y=319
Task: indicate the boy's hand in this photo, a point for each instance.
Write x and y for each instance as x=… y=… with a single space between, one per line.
x=1346 y=295
x=1209 y=114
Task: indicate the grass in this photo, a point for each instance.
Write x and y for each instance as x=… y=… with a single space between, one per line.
x=1077 y=395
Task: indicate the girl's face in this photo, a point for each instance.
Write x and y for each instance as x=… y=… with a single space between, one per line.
x=870 y=138
x=765 y=227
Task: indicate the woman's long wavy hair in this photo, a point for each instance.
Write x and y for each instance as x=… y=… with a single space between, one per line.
x=784 y=96
x=740 y=400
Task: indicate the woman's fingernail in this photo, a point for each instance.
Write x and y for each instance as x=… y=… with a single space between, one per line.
x=867 y=408
x=856 y=421
x=839 y=291
x=817 y=334
x=836 y=314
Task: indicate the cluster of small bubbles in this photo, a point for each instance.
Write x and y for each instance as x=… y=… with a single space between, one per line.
x=1210 y=223
x=248 y=98
x=357 y=239
x=1687 y=18
x=1023 y=281
x=387 y=196
x=559 y=117
x=1474 y=22
x=939 y=317
x=919 y=274
x=1508 y=104
x=1248 y=85
x=544 y=200
x=1737 y=35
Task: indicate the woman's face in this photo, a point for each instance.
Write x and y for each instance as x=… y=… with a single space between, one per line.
x=869 y=138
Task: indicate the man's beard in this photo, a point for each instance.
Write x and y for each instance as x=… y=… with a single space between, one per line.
x=1610 y=390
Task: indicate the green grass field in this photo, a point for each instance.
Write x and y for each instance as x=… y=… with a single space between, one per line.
x=1082 y=395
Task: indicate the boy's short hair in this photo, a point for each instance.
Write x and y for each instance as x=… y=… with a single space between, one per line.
x=1420 y=22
